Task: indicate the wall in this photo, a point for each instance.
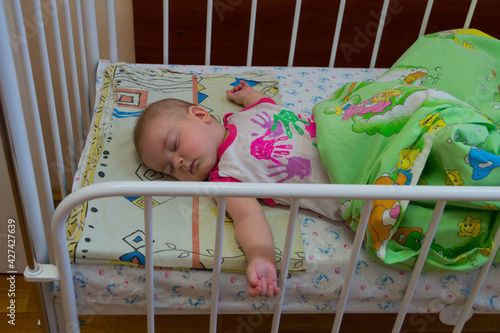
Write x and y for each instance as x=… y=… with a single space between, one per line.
x=8 y=211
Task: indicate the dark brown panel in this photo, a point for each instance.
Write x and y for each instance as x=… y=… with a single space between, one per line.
x=316 y=28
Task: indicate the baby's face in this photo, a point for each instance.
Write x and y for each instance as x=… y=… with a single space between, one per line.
x=184 y=148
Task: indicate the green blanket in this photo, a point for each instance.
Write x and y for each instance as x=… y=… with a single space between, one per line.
x=432 y=119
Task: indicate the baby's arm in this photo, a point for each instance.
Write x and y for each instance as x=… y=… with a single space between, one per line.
x=244 y=94
x=254 y=235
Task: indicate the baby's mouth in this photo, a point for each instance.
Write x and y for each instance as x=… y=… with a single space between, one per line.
x=191 y=167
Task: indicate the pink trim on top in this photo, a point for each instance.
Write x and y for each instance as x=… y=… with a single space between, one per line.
x=262 y=100
x=214 y=175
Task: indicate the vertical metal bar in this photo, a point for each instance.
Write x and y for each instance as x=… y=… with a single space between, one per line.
x=380 y=29
x=285 y=263
x=483 y=272
x=111 y=23
x=208 y=45
x=295 y=28
x=336 y=36
x=219 y=235
x=150 y=287
x=49 y=92
x=63 y=86
x=66 y=286
x=83 y=63
x=28 y=77
x=74 y=76
x=470 y=14
x=251 y=37
x=165 y=32
x=425 y=20
x=356 y=248
x=91 y=44
x=419 y=264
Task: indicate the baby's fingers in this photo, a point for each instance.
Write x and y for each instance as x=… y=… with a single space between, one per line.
x=272 y=288
x=265 y=290
x=254 y=291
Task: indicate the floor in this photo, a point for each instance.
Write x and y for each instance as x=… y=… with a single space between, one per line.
x=26 y=319
x=20 y=294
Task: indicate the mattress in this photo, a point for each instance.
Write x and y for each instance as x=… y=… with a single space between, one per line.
x=109 y=288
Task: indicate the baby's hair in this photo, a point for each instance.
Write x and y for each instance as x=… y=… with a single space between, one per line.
x=171 y=107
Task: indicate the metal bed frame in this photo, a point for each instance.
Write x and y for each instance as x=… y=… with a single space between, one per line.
x=44 y=227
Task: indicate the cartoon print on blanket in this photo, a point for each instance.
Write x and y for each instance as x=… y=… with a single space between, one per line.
x=431 y=119
x=111 y=230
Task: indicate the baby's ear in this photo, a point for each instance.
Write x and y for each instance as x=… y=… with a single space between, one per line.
x=199 y=112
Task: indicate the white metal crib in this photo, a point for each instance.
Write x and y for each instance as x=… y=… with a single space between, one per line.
x=44 y=229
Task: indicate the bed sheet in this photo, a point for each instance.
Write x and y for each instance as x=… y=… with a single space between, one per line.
x=103 y=289
x=376 y=288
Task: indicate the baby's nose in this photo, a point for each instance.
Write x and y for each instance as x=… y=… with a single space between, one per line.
x=180 y=161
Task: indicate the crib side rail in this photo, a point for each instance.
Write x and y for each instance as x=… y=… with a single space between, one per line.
x=295 y=191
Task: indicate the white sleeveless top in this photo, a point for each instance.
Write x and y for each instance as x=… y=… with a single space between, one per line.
x=267 y=143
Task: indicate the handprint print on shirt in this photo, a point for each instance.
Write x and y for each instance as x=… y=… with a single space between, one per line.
x=267 y=123
x=263 y=149
x=297 y=166
x=311 y=127
x=287 y=118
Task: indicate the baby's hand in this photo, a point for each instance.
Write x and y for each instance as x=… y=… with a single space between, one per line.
x=262 y=278
x=238 y=93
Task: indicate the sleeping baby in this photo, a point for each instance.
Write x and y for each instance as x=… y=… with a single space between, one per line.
x=262 y=143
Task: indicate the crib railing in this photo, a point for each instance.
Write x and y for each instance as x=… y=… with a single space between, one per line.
x=440 y=194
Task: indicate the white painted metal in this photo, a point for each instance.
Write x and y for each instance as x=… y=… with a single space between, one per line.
x=470 y=14
x=336 y=36
x=63 y=87
x=380 y=29
x=87 y=114
x=251 y=35
x=417 y=269
x=351 y=267
x=91 y=44
x=285 y=263
x=49 y=93
x=165 y=31
x=257 y=190
x=46 y=195
x=77 y=112
x=219 y=235
x=425 y=20
x=295 y=29
x=111 y=23
x=208 y=42
x=67 y=290
x=150 y=286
